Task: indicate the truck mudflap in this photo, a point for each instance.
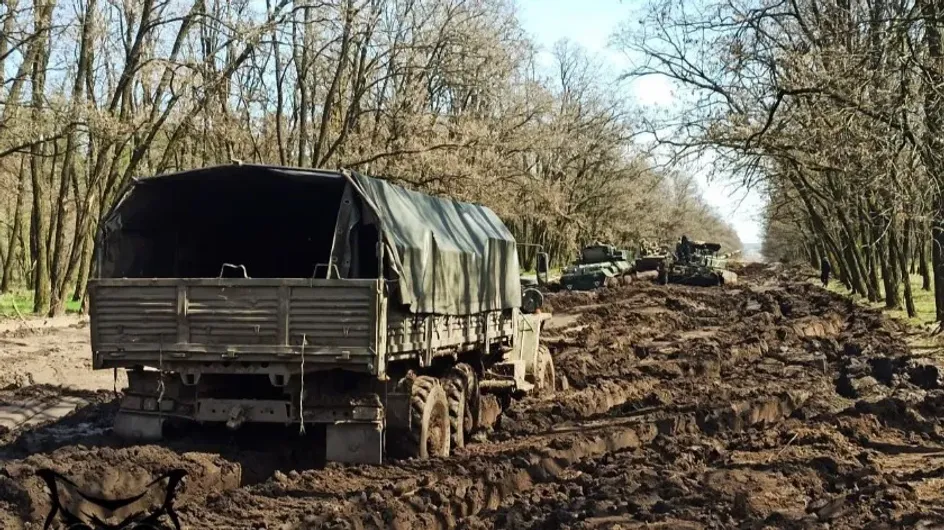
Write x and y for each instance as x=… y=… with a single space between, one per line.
x=139 y=426
x=354 y=443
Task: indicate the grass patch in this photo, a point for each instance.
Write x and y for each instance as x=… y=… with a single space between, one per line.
x=22 y=301
x=923 y=301
x=551 y=272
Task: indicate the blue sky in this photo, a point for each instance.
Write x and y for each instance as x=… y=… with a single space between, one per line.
x=590 y=23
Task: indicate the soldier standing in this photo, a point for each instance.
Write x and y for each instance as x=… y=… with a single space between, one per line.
x=824 y=269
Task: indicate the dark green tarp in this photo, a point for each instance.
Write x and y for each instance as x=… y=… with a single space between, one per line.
x=442 y=256
x=456 y=258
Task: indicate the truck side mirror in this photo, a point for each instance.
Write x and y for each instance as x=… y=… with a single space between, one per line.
x=543 y=266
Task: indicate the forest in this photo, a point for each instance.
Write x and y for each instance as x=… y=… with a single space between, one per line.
x=833 y=110
x=444 y=96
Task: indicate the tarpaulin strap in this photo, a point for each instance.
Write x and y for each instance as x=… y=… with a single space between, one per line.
x=301 y=393
x=160 y=379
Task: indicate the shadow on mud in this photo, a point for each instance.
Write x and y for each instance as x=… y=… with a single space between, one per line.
x=259 y=450
x=46 y=417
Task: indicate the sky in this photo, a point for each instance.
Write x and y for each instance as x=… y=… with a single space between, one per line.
x=590 y=23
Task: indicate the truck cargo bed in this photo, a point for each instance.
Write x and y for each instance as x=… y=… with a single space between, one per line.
x=133 y=320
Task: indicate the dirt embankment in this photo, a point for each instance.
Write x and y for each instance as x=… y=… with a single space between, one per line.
x=772 y=404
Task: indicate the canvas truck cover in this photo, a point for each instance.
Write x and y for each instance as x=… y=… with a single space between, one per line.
x=455 y=257
x=446 y=257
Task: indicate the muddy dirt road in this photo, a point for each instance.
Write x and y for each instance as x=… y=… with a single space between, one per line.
x=772 y=404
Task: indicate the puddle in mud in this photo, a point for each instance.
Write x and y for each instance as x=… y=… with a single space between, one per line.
x=59 y=434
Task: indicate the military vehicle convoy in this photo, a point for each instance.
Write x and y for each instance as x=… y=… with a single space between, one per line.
x=245 y=293
x=692 y=263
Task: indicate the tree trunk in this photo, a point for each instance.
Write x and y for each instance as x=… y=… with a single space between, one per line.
x=63 y=263
x=933 y=148
x=887 y=257
x=41 y=288
x=890 y=282
x=814 y=256
x=904 y=252
x=923 y=268
x=85 y=267
x=7 y=279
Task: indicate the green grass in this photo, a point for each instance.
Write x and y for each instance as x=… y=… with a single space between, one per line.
x=22 y=301
x=923 y=301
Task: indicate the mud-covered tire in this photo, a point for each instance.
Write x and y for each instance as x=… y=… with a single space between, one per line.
x=465 y=375
x=429 y=419
x=545 y=376
x=456 y=398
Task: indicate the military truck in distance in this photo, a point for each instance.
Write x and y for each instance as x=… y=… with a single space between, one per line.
x=599 y=265
x=243 y=293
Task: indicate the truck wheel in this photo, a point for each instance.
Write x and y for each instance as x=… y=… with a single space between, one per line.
x=545 y=375
x=463 y=396
x=456 y=398
x=429 y=422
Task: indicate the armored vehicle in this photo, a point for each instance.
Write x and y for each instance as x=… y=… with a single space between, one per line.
x=389 y=318
x=651 y=257
x=587 y=276
x=697 y=263
x=599 y=265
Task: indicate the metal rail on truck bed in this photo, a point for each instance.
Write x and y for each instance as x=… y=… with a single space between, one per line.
x=337 y=323
x=269 y=325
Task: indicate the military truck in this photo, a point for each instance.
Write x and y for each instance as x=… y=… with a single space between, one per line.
x=598 y=265
x=390 y=318
x=697 y=263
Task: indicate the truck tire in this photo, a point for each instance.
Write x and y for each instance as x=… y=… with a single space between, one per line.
x=429 y=421
x=463 y=395
x=545 y=375
x=456 y=398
